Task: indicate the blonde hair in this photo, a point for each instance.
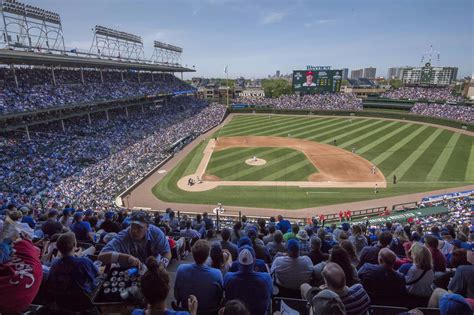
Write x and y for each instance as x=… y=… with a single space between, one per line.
x=421 y=257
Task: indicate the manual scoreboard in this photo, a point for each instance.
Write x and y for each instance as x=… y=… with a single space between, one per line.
x=317 y=81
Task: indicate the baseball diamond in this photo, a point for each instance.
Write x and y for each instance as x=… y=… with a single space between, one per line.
x=422 y=157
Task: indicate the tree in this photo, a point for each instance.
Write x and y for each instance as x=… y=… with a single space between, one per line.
x=276 y=88
x=395 y=83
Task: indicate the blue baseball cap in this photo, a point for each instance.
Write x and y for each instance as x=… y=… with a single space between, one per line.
x=452 y=303
x=88 y=212
x=109 y=214
x=244 y=241
x=293 y=246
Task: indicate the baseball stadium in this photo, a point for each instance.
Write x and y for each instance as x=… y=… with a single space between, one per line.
x=138 y=178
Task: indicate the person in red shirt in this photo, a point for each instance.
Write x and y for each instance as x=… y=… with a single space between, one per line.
x=439 y=260
x=341 y=216
x=348 y=215
x=321 y=218
x=20 y=277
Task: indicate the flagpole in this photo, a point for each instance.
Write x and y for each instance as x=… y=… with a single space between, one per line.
x=227 y=81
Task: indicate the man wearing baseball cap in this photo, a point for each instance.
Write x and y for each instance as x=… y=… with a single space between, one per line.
x=253 y=288
x=293 y=270
x=132 y=246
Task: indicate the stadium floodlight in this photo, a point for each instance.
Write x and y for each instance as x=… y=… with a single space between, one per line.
x=32 y=28
x=115 y=44
x=166 y=53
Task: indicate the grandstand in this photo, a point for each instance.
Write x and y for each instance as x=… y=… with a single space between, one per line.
x=123 y=192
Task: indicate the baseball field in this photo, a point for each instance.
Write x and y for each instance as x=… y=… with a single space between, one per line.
x=293 y=162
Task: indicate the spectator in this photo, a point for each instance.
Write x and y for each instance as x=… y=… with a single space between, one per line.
x=439 y=261
x=190 y=232
x=199 y=279
x=227 y=245
x=219 y=259
x=462 y=282
x=291 y=234
x=283 y=225
x=254 y=289
x=370 y=254
x=109 y=225
x=276 y=246
x=315 y=254
x=339 y=256
x=155 y=286
x=293 y=270
x=51 y=226
x=261 y=252
x=136 y=243
x=234 y=307
x=304 y=244
x=68 y=271
x=420 y=276
x=271 y=235
x=355 y=298
x=82 y=229
x=358 y=239
x=382 y=282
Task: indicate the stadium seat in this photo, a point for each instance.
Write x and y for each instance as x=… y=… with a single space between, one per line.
x=386 y=310
x=299 y=305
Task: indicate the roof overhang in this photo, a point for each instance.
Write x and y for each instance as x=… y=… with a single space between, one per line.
x=16 y=57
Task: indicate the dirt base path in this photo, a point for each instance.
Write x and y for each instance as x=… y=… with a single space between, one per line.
x=338 y=168
x=142 y=196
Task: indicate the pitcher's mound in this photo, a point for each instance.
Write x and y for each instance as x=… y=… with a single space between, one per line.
x=255 y=162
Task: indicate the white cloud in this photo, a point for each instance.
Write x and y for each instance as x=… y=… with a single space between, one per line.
x=272 y=18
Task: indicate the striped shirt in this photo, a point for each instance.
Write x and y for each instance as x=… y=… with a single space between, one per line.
x=356 y=300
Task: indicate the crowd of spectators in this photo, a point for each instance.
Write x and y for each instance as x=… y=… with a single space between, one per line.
x=36 y=89
x=338 y=268
x=334 y=101
x=423 y=93
x=91 y=163
x=447 y=111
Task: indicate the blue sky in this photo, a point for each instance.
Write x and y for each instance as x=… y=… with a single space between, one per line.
x=256 y=38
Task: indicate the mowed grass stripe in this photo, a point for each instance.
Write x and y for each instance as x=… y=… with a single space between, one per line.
x=330 y=134
x=254 y=169
x=238 y=126
x=221 y=155
x=405 y=166
x=239 y=158
x=306 y=126
x=382 y=139
x=398 y=145
x=366 y=135
x=284 y=162
x=456 y=167
x=264 y=122
x=470 y=165
x=252 y=130
x=351 y=132
x=269 y=131
x=283 y=173
x=420 y=169
x=310 y=130
x=438 y=167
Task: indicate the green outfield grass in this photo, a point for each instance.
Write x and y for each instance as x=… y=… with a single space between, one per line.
x=423 y=158
x=282 y=165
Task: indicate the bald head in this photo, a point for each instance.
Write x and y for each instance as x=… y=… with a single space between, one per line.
x=334 y=276
x=387 y=257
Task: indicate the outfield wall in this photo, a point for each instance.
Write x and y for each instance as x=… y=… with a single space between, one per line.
x=365 y=113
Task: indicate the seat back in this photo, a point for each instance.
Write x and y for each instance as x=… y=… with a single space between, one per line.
x=283 y=304
x=386 y=310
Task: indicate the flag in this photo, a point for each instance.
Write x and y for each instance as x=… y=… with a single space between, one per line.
x=225 y=69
